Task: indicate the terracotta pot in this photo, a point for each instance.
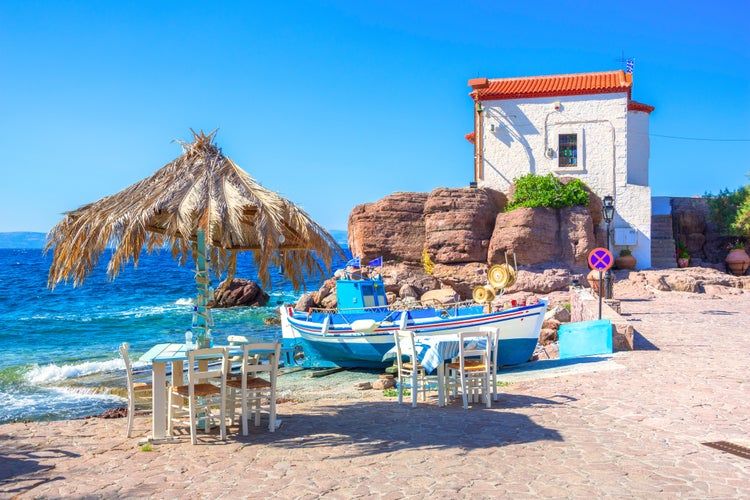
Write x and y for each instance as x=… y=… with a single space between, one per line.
x=683 y=262
x=625 y=262
x=593 y=278
x=737 y=261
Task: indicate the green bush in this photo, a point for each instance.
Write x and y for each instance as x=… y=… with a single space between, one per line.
x=547 y=191
x=730 y=210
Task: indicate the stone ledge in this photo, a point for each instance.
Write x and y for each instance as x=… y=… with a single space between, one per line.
x=584 y=307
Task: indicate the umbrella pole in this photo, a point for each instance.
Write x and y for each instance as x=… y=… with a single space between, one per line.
x=202 y=279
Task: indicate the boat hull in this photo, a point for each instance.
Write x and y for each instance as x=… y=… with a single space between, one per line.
x=336 y=341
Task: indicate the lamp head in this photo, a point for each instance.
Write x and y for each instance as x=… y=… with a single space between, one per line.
x=608 y=208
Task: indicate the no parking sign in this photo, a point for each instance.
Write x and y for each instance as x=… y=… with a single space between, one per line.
x=600 y=259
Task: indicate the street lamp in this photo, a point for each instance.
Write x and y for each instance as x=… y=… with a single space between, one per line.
x=608 y=213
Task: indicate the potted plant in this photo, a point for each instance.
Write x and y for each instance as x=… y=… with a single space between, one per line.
x=737 y=260
x=682 y=254
x=626 y=260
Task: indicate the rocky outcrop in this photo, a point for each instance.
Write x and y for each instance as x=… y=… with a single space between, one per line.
x=459 y=223
x=240 y=292
x=540 y=236
x=392 y=228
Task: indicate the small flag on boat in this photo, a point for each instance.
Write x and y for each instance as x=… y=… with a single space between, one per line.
x=629 y=65
x=377 y=262
x=353 y=262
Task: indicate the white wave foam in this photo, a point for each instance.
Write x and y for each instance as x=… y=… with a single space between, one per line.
x=184 y=302
x=54 y=373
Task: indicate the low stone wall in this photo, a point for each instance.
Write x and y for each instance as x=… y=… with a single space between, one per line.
x=585 y=307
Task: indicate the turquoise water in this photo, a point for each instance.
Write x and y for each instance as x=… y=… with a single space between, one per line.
x=58 y=350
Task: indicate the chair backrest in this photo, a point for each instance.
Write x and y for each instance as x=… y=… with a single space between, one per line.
x=217 y=361
x=250 y=363
x=473 y=344
x=404 y=340
x=124 y=352
x=494 y=333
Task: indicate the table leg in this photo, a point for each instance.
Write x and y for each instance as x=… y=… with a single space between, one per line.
x=441 y=383
x=159 y=379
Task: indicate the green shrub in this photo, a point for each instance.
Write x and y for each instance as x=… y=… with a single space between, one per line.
x=625 y=252
x=730 y=211
x=547 y=191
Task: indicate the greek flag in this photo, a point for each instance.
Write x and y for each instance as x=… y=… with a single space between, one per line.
x=629 y=65
x=353 y=262
x=377 y=262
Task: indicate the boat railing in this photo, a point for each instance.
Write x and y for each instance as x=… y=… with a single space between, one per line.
x=401 y=306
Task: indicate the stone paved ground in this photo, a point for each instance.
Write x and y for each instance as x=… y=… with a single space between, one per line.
x=631 y=432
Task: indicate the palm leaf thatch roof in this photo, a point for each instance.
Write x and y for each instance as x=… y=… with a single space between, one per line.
x=200 y=190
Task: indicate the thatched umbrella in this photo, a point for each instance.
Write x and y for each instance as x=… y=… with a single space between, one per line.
x=200 y=202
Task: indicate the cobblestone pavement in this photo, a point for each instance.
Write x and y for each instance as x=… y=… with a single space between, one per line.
x=630 y=432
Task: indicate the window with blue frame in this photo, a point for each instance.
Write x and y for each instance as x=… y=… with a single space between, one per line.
x=568 y=150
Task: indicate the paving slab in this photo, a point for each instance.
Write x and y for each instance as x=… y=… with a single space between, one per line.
x=632 y=429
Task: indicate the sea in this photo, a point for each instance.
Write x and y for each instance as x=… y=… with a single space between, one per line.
x=59 y=355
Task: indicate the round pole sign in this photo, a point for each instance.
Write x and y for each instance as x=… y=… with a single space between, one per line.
x=600 y=259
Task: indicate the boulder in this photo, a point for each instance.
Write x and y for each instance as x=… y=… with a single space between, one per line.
x=384 y=383
x=548 y=333
x=239 y=292
x=532 y=233
x=397 y=274
x=408 y=291
x=541 y=281
x=392 y=228
x=459 y=223
x=441 y=296
x=462 y=278
x=305 y=302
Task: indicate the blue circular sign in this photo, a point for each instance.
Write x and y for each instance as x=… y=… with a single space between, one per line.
x=600 y=259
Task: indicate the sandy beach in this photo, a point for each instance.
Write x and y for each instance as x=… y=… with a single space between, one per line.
x=632 y=425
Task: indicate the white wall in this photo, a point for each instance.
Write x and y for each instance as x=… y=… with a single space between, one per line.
x=638 y=147
x=608 y=135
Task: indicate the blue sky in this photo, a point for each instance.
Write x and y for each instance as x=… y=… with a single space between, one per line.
x=338 y=103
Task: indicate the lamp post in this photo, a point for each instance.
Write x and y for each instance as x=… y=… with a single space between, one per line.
x=608 y=213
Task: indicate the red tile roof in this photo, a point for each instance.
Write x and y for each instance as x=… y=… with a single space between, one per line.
x=639 y=106
x=605 y=82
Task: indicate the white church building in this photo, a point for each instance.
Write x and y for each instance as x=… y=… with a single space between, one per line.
x=580 y=125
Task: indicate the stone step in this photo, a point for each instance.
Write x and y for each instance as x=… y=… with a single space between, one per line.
x=663 y=263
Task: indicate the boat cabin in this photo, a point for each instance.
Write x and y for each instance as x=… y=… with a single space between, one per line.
x=358 y=294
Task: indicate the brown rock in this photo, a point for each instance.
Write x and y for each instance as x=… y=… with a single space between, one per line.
x=408 y=291
x=305 y=302
x=532 y=233
x=392 y=227
x=541 y=281
x=461 y=277
x=240 y=292
x=440 y=296
x=397 y=274
x=548 y=333
x=383 y=383
x=329 y=302
x=459 y=224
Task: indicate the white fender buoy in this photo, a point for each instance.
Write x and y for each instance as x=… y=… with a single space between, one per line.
x=326 y=324
x=364 y=325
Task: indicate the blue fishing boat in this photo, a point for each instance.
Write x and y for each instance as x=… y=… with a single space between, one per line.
x=360 y=331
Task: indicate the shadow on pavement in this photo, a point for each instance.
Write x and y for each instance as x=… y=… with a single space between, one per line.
x=372 y=428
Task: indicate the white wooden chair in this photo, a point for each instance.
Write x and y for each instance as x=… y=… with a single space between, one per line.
x=138 y=392
x=249 y=391
x=199 y=397
x=471 y=374
x=411 y=375
x=494 y=333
